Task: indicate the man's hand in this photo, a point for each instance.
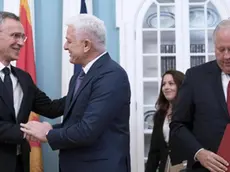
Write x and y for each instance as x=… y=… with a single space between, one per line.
x=212 y=161
x=30 y=138
x=36 y=129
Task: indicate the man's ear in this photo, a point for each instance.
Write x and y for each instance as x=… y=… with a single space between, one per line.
x=87 y=45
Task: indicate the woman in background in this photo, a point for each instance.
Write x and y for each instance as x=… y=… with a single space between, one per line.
x=158 y=153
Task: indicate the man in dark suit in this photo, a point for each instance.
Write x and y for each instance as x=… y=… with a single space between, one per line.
x=18 y=97
x=94 y=134
x=200 y=115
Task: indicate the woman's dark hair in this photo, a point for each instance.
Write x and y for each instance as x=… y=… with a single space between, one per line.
x=162 y=103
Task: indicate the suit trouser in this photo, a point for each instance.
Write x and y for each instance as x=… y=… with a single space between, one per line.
x=19 y=164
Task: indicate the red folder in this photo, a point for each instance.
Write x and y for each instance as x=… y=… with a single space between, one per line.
x=224 y=150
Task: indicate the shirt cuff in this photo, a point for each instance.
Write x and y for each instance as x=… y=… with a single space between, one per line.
x=47 y=132
x=197 y=153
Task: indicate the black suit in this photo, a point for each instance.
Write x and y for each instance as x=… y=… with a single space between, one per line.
x=159 y=149
x=200 y=115
x=10 y=134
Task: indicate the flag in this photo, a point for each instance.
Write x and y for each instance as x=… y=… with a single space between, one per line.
x=26 y=62
x=83 y=9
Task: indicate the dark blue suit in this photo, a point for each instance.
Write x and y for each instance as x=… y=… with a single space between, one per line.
x=94 y=135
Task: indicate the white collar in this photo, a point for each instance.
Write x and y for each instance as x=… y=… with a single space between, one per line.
x=90 y=64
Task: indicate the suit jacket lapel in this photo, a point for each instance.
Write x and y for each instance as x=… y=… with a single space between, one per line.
x=218 y=87
x=90 y=74
x=70 y=92
x=5 y=97
x=85 y=81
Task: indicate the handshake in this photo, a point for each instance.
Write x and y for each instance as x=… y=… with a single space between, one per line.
x=36 y=131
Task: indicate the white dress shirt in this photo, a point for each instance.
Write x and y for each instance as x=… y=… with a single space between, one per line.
x=225 y=80
x=17 y=90
x=166 y=129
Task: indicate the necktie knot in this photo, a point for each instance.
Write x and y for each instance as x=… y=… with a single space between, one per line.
x=81 y=74
x=6 y=71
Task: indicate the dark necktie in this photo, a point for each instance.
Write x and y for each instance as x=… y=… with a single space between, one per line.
x=8 y=84
x=79 y=81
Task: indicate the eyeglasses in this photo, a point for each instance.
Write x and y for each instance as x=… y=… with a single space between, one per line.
x=17 y=36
